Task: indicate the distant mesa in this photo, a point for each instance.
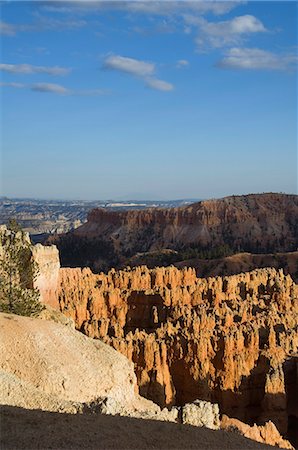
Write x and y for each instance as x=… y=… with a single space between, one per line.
x=41 y=218
x=256 y=223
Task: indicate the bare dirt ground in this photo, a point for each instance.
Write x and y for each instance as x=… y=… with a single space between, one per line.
x=34 y=429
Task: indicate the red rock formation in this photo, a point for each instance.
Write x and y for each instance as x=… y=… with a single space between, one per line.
x=267 y=434
x=259 y=223
x=225 y=340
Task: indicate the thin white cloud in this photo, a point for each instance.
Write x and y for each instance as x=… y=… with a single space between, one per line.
x=7 y=29
x=223 y=33
x=56 y=89
x=50 y=87
x=145 y=7
x=13 y=85
x=46 y=19
x=30 y=69
x=159 y=85
x=47 y=23
x=138 y=68
x=129 y=65
x=182 y=63
x=257 y=59
x=91 y=92
x=215 y=7
x=162 y=27
x=176 y=7
x=40 y=24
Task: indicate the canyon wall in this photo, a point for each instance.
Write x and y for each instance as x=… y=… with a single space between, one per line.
x=259 y=223
x=231 y=340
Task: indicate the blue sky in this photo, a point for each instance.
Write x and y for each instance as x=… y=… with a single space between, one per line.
x=156 y=100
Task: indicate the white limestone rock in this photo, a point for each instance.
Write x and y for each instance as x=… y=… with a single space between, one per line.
x=201 y=414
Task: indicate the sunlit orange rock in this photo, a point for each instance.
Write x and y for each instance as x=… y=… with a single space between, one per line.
x=222 y=339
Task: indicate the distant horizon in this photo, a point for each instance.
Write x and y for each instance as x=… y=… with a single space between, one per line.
x=152 y=99
x=194 y=199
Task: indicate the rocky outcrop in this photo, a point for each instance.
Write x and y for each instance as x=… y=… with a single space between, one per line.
x=60 y=361
x=20 y=237
x=45 y=365
x=266 y=434
x=45 y=273
x=258 y=223
x=48 y=263
x=225 y=339
x=201 y=414
x=50 y=313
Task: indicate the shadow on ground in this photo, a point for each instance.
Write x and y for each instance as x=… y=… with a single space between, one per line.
x=36 y=429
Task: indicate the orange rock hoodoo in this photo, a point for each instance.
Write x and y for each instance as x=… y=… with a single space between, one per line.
x=231 y=340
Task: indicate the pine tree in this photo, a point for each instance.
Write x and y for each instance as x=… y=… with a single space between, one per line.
x=17 y=273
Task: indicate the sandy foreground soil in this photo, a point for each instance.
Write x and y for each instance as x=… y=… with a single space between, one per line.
x=35 y=429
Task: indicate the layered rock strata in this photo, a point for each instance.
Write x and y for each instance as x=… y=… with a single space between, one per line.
x=259 y=223
x=267 y=218
x=229 y=340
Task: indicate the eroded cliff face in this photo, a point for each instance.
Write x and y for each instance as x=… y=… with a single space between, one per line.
x=230 y=340
x=47 y=259
x=242 y=218
x=254 y=223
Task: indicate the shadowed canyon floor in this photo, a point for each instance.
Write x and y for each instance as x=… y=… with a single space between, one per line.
x=31 y=429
